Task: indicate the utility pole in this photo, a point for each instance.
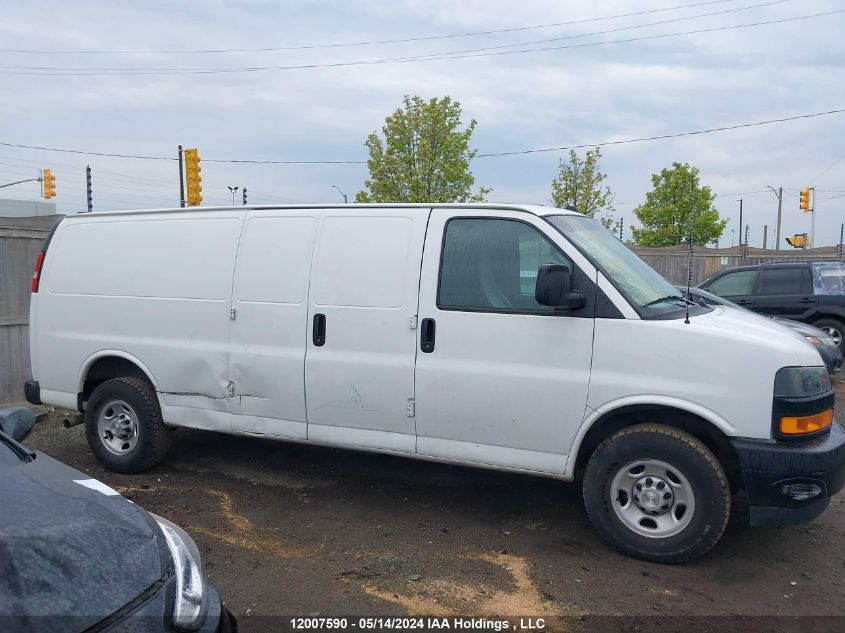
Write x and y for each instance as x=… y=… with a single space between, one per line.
x=842 y=241
x=621 y=229
x=740 y=223
x=244 y=194
x=89 y=190
x=181 y=181
x=779 y=194
x=813 y=218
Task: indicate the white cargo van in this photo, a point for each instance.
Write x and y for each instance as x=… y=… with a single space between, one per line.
x=520 y=338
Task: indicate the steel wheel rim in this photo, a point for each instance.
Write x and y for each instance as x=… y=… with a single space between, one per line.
x=117 y=427
x=652 y=498
x=835 y=334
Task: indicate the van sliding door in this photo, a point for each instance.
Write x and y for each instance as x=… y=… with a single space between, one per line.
x=268 y=328
x=361 y=344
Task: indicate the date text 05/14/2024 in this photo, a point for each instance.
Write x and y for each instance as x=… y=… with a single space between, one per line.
x=455 y=623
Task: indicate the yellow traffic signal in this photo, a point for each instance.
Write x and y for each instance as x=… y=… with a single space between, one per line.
x=193 y=179
x=48 y=184
x=797 y=241
x=804 y=199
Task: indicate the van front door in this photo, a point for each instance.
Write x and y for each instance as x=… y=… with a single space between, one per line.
x=359 y=365
x=500 y=379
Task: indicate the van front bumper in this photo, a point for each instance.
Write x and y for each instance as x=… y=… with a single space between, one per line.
x=790 y=482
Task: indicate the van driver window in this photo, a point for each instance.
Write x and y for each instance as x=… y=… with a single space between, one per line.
x=491 y=264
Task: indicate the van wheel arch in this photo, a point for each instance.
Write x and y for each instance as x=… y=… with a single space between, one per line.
x=704 y=430
x=106 y=368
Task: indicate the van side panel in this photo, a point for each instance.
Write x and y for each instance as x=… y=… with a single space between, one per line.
x=155 y=287
x=270 y=298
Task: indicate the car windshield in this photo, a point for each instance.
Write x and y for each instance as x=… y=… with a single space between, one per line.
x=640 y=283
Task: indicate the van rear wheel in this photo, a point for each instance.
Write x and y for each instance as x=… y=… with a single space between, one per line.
x=657 y=493
x=124 y=426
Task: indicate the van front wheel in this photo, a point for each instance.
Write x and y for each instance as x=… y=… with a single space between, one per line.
x=124 y=426
x=657 y=493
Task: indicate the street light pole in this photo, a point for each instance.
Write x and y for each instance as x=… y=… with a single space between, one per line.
x=345 y=200
x=779 y=195
x=17 y=182
x=234 y=190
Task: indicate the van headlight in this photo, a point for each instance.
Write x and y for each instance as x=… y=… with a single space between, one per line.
x=820 y=340
x=191 y=600
x=803 y=402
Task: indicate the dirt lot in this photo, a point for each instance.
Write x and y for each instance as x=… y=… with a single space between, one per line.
x=288 y=530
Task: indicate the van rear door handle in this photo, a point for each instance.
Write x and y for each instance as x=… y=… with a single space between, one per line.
x=319 y=330
x=806 y=300
x=427 y=336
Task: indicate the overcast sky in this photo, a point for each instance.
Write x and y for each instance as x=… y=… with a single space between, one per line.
x=552 y=98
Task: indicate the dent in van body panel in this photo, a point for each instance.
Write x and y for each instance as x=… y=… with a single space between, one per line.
x=177 y=331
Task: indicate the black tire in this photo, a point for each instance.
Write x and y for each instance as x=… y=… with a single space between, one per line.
x=153 y=436
x=835 y=328
x=692 y=459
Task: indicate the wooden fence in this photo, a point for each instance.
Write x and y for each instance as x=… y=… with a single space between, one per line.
x=20 y=241
x=672 y=261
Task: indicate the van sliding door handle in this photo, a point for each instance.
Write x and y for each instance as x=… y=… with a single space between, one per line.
x=427 y=336
x=319 y=330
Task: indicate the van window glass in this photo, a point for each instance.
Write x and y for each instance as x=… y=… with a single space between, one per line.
x=734 y=284
x=491 y=264
x=784 y=281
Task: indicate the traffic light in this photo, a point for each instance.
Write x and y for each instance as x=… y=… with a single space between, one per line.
x=797 y=241
x=804 y=200
x=48 y=184
x=193 y=179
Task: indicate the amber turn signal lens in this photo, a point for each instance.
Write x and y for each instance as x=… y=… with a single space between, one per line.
x=806 y=424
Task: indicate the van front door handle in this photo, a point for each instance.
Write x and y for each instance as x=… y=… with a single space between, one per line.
x=319 y=330
x=806 y=300
x=427 y=336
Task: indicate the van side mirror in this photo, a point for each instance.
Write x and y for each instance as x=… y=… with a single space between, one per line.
x=554 y=288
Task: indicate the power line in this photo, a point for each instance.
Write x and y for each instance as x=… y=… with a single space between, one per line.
x=458 y=52
x=365 y=43
x=49 y=71
x=484 y=155
x=826 y=169
x=662 y=136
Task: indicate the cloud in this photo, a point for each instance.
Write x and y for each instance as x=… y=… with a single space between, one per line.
x=542 y=99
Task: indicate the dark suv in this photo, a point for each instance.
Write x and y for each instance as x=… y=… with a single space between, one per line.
x=812 y=292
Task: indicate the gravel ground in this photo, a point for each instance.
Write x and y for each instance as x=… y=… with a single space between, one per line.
x=290 y=530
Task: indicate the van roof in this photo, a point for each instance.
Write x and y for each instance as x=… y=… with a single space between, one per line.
x=534 y=209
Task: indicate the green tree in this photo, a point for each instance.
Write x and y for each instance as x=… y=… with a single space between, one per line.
x=665 y=214
x=579 y=185
x=424 y=156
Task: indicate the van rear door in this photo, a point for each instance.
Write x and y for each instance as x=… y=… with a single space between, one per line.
x=359 y=365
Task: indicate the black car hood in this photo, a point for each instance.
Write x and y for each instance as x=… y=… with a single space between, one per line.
x=69 y=550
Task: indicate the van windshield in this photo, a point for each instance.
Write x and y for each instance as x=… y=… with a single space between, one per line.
x=650 y=293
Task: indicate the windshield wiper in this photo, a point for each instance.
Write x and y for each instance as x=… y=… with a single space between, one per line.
x=668 y=298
